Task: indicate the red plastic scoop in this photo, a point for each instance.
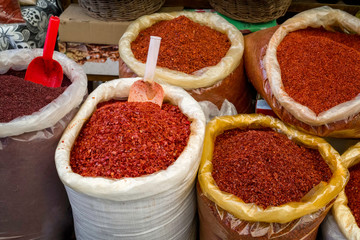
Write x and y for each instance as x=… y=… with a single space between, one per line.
x=44 y=70
x=147 y=90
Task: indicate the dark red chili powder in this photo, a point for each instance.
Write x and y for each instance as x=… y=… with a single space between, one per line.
x=185 y=46
x=352 y=191
x=20 y=97
x=128 y=139
x=265 y=167
x=320 y=69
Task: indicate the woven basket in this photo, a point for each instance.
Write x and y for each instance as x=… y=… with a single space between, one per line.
x=120 y=10
x=252 y=11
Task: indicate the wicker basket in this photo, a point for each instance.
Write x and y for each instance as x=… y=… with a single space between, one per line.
x=252 y=11
x=120 y=10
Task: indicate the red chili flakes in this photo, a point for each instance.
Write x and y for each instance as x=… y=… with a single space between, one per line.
x=320 y=69
x=185 y=46
x=123 y=139
x=20 y=97
x=352 y=191
x=265 y=167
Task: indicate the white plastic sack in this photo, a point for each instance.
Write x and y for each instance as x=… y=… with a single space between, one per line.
x=156 y=206
x=33 y=202
x=50 y=114
x=330 y=229
x=319 y=17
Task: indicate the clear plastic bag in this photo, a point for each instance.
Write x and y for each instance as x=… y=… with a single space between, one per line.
x=10 y=12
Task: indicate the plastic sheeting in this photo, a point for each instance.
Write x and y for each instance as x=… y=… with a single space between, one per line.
x=341 y=213
x=264 y=72
x=310 y=211
x=226 y=80
x=156 y=206
x=10 y=12
x=34 y=204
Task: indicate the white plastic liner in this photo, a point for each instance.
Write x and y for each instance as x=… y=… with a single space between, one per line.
x=156 y=206
x=205 y=77
x=49 y=115
x=318 y=17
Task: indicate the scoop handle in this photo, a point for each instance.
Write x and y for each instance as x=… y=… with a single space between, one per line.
x=50 y=39
x=152 y=57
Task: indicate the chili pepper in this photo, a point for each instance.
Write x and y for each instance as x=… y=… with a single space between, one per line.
x=265 y=167
x=186 y=46
x=129 y=139
x=352 y=191
x=320 y=69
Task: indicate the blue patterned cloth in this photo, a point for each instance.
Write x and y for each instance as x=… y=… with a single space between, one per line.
x=32 y=33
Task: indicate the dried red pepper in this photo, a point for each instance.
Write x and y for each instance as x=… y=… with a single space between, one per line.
x=123 y=139
x=320 y=69
x=352 y=191
x=186 y=46
x=265 y=167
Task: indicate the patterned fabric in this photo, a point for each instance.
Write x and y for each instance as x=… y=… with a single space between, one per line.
x=32 y=33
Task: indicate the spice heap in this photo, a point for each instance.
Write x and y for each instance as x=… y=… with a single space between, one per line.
x=20 y=97
x=320 y=69
x=352 y=191
x=265 y=167
x=130 y=139
x=186 y=46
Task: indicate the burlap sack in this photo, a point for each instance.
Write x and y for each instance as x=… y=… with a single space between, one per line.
x=157 y=206
x=34 y=204
x=226 y=80
x=225 y=216
x=263 y=70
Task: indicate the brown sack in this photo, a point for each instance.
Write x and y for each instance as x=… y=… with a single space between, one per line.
x=343 y=122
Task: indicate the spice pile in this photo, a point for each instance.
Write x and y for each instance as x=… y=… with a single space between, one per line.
x=320 y=69
x=265 y=167
x=20 y=97
x=130 y=139
x=186 y=46
x=352 y=191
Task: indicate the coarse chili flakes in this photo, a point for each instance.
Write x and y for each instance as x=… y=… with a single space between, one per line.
x=130 y=139
x=265 y=167
x=352 y=191
x=320 y=69
x=186 y=46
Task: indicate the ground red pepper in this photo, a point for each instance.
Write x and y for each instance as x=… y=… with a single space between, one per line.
x=20 y=97
x=265 y=167
x=352 y=191
x=320 y=69
x=130 y=139
x=185 y=46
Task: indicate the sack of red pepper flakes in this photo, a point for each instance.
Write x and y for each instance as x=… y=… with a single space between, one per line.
x=33 y=200
x=345 y=216
x=200 y=52
x=224 y=215
x=124 y=202
x=307 y=69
